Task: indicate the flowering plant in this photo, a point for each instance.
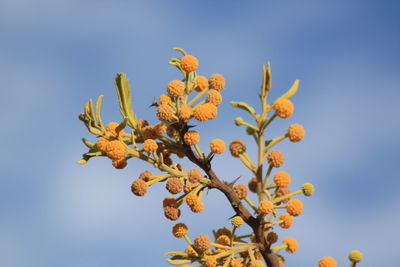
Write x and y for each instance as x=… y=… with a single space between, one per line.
x=197 y=97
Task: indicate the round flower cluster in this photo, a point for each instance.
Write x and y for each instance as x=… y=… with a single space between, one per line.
x=291 y=243
x=194 y=175
x=194 y=203
x=295 y=132
x=214 y=97
x=165 y=113
x=237 y=147
x=189 y=63
x=241 y=191
x=295 y=207
x=287 y=220
x=174 y=185
x=205 y=112
x=145 y=175
x=179 y=230
x=139 y=187
x=282 y=179
x=237 y=221
x=149 y=146
x=210 y=262
x=308 y=189
x=237 y=262
x=217 y=146
x=265 y=206
x=201 y=83
x=115 y=150
x=355 y=256
x=275 y=158
x=257 y=263
x=112 y=129
x=171 y=210
x=164 y=99
x=327 y=262
x=191 y=138
x=283 y=108
x=223 y=240
x=185 y=113
x=175 y=88
x=202 y=243
x=217 y=82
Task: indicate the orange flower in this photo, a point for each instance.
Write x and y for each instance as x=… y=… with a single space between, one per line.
x=102 y=143
x=217 y=146
x=115 y=150
x=205 y=112
x=175 y=88
x=149 y=146
x=202 y=243
x=189 y=63
x=201 y=83
x=164 y=99
x=179 y=230
x=282 y=179
x=210 y=262
x=295 y=132
x=139 y=187
x=327 y=262
x=223 y=231
x=119 y=163
x=237 y=147
x=217 y=82
x=275 y=158
x=241 y=191
x=223 y=240
x=145 y=175
x=257 y=263
x=214 y=97
x=174 y=185
x=165 y=113
x=295 y=207
x=287 y=220
x=172 y=213
x=159 y=129
x=191 y=138
x=111 y=128
x=194 y=176
x=265 y=206
x=185 y=113
x=283 y=108
x=237 y=262
x=291 y=243
x=197 y=207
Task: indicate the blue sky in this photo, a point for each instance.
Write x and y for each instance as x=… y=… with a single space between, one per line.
x=55 y=55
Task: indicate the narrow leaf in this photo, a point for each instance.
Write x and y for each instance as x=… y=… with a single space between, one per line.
x=244 y=106
x=292 y=91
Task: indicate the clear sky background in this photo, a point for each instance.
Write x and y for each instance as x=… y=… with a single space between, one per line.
x=55 y=55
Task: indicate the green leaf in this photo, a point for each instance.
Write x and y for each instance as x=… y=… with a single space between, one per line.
x=124 y=96
x=266 y=80
x=292 y=91
x=244 y=106
x=98 y=108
